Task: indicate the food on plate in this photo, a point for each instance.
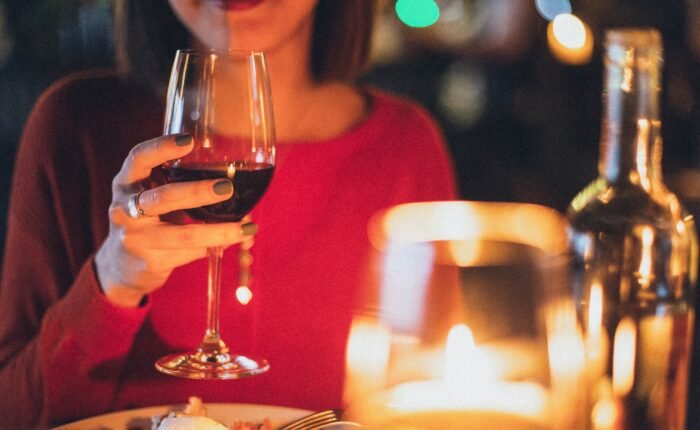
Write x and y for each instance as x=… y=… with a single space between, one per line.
x=189 y=422
x=194 y=417
x=242 y=425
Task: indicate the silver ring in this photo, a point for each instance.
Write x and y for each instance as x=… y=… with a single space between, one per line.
x=134 y=208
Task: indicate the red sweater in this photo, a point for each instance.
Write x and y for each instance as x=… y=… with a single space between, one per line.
x=66 y=352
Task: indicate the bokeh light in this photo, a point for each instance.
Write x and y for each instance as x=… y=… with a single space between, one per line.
x=244 y=295
x=569 y=31
x=417 y=13
x=551 y=8
x=570 y=40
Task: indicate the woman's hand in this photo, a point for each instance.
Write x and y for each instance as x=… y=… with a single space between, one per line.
x=140 y=252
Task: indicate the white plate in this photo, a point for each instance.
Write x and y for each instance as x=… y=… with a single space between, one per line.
x=225 y=413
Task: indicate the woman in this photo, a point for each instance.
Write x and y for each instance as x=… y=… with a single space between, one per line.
x=89 y=301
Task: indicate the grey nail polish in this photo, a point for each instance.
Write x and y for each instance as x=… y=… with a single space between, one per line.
x=183 y=140
x=249 y=229
x=223 y=186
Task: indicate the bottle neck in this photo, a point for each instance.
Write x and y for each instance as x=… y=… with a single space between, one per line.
x=631 y=129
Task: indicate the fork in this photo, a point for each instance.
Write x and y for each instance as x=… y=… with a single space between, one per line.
x=315 y=420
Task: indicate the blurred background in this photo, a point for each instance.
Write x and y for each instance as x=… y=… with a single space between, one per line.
x=515 y=84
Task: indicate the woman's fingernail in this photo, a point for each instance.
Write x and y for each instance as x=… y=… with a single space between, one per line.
x=249 y=229
x=183 y=140
x=223 y=186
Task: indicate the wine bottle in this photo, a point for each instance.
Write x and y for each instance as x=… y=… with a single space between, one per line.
x=634 y=254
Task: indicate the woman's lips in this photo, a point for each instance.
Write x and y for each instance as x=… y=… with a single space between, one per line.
x=236 y=4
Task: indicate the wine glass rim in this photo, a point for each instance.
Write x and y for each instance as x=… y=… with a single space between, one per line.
x=220 y=52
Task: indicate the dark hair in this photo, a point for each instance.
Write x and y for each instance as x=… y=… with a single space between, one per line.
x=148 y=33
x=342 y=38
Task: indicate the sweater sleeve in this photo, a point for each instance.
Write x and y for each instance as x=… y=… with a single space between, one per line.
x=62 y=343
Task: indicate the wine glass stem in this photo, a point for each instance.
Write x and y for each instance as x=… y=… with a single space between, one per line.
x=211 y=337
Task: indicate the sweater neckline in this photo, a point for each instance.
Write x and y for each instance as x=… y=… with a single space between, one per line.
x=377 y=108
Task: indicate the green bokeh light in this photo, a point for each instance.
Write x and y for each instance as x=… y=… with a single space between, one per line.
x=417 y=13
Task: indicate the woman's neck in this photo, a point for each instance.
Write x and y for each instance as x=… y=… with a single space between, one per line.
x=307 y=110
x=292 y=83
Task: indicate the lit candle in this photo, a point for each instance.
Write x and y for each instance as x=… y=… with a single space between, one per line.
x=467 y=396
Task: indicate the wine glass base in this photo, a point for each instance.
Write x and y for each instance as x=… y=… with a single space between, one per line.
x=201 y=365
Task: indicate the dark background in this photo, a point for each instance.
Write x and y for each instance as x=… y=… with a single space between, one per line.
x=522 y=126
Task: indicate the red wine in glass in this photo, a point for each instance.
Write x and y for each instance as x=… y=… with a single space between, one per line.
x=250 y=180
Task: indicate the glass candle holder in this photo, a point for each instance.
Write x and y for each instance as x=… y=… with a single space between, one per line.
x=469 y=321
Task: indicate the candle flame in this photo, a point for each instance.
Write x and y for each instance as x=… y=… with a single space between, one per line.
x=469 y=383
x=459 y=351
x=624 y=357
x=467 y=368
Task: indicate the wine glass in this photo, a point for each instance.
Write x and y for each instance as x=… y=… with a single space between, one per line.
x=222 y=99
